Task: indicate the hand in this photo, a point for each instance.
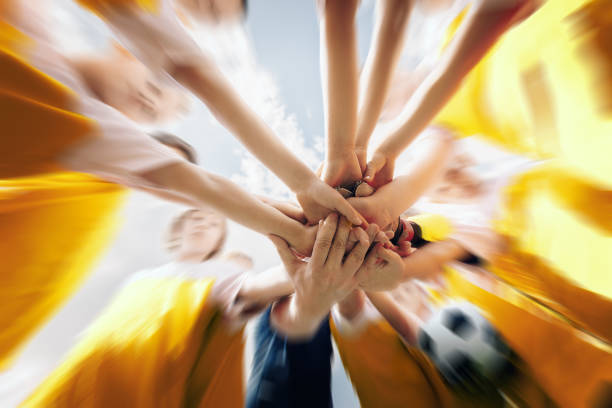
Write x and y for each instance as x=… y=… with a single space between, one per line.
x=290 y=209
x=379 y=170
x=382 y=270
x=373 y=210
x=342 y=171
x=318 y=199
x=362 y=157
x=328 y=277
x=423 y=264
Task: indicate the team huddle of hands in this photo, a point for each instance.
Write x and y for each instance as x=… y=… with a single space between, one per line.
x=352 y=250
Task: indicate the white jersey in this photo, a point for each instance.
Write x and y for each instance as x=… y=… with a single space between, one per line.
x=118 y=151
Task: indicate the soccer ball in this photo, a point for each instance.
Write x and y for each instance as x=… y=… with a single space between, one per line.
x=467 y=350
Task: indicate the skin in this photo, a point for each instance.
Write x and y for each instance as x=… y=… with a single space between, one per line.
x=188 y=184
x=328 y=277
x=483 y=25
x=385 y=205
x=123 y=82
x=339 y=72
x=201 y=234
x=213 y=11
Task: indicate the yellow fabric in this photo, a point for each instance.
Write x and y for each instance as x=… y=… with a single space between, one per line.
x=565 y=219
x=559 y=227
x=54 y=227
x=433 y=226
x=100 y=6
x=159 y=344
x=542 y=89
x=570 y=366
x=53 y=224
x=385 y=373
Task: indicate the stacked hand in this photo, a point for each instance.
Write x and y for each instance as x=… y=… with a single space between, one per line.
x=328 y=277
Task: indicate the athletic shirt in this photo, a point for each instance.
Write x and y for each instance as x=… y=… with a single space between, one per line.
x=108 y=144
x=163 y=341
x=471 y=222
x=150 y=29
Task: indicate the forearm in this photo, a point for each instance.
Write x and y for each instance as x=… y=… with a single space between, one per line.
x=387 y=44
x=401 y=193
x=339 y=74
x=429 y=260
x=352 y=305
x=209 y=85
x=296 y=321
x=266 y=286
x=209 y=190
x=405 y=323
x=482 y=27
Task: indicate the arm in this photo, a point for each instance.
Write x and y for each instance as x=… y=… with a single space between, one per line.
x=405 y=322
x=266 y=286
x=387 y=43
x=161 y=41
x=207 y=83
x=339 y=74
x=485 y=22
x=389 y=201
x=210 y=190
x=328 y=277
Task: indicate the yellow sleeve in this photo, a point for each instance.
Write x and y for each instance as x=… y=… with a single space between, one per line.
x=433 y=226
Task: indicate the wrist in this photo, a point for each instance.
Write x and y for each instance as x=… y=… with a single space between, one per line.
x=351 y=306
x=301 y=182
x=386 y=149
x=292 y=319
x=339 y=154
x=308 y=311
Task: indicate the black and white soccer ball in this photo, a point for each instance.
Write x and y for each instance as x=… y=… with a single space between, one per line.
x=466 y=348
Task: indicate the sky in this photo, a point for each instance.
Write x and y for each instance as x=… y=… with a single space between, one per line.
x=274 y=61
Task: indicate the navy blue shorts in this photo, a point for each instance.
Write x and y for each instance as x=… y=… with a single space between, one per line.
x=290 y=374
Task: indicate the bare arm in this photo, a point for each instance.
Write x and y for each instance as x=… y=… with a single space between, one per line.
x=485 y=22
x=387 y=43
x=339 y=74
x=404 y=321
x=266 y=286
x=210 y=190
x=205 y=81
x=392 y=199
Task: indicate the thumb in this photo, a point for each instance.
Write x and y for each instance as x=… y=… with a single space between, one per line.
x=373 y=167
x=385 y=254
x=287 y=257
x=346 y=209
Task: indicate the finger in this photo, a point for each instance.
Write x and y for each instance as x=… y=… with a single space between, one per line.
x=284 y=252
x=355 y=258
x=364 y=190
x=323 y=242
x=352 y=240
x=389 y=234
x=293 y=212
x=404 y=248
x=372 y=168
x=386 y=254
x=372 y=230
x=320 y=170
x=336 y=254
x=367 y=266
x=382 y=238
x=344 y=208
